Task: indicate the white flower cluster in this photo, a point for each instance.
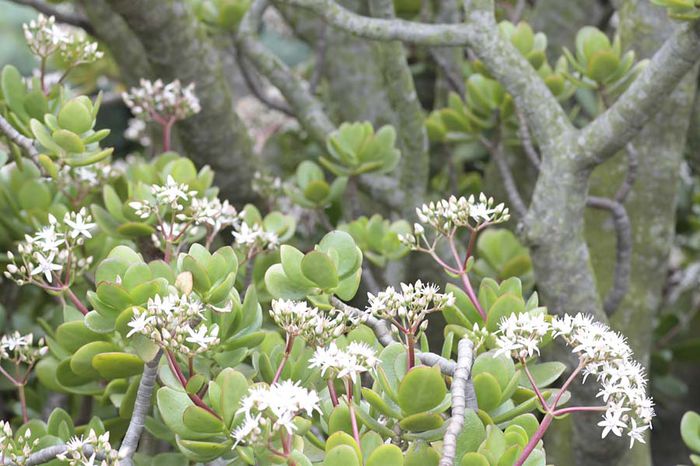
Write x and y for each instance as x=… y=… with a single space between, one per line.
x=175 y=322
x=19 y=348
x=87 y=178
x=349 y=362
x=186 y=210
x=520 y=335
x=316 y=327
x=85 y=451
x=254 y=238
x=14 y=451
x=137 y=131
x=271 y=408
x=447 y=215
x=603 y=353
x=44 y=37
x=162 y=102
x=409 y=307
x=51 y=251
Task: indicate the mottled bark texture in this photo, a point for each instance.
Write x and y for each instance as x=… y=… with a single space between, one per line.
x=113 y=31
x=177 y=47
x=651 y=204
x=412 y=136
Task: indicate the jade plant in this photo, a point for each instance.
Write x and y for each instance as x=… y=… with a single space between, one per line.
x=186 y=328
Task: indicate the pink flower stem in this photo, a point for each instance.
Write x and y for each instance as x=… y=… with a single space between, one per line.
x=464 y=276
x=539 y=394
x=76 y=302
x=333 y=394
x=578 y=409
x=285 y=358
x=351 y=408
x=544 y=425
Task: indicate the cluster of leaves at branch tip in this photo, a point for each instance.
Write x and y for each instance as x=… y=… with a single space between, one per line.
x=310 y=188
x=354 y=149
x=378 y=238
x=221 y=14
x=63 y=127
x=333 y=267
x=600 y=64
x=690 y=433
x=486 y=103
x=682 y=10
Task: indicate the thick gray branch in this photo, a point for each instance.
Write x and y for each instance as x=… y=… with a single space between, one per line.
x=412 y=137
x=49 y=454
x=387 y=29
x=142 y=406
x=177 y=47
x=307 y=108
x=546 y=117
x=465 y=357
x=126 y=49
x=609 y=132
x=14 y=136
x=72 y=19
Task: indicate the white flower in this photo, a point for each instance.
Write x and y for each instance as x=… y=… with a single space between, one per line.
x=204 y=337
x=21 y=349
x=173 y=322
x=45 y=265
x=522 y=334
x=448 y=214
x=76 y=454
x=255 y=237
x=317 y=327
x=612 y=422
x=410 y=306
x=80 y=223
x=355 y=359
x=604 y=355
x=162 y=102
x=275 y=407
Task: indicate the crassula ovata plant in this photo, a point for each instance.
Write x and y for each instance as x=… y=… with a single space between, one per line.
x=196 y=330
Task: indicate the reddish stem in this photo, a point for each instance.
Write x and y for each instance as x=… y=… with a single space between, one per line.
x=167 y=131
x=287 y=350
x=181 y=378
x=351 y=409
x=535 y=439
x=411 y=353
x=540 y=397
x=76 y=302
x=331 y=391
x=578 y=409
x=23 y=403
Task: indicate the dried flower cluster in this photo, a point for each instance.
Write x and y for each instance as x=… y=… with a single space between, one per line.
x=268 y=409
x=20 y=349
x=52 y=255
x=44 y=38
x=349 y=362
x=407 y=309
x=446 y=215
x=155 y=100
x=176 y=323
x=316 y=327
x=603 y=353
x=90 y=450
